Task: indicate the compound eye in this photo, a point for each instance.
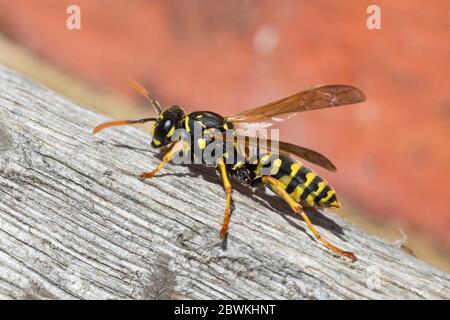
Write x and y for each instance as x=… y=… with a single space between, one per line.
x=167 y=125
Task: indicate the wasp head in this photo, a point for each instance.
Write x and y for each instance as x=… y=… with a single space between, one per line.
x=165 y=126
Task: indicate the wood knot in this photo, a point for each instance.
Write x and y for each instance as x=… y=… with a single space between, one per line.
x=5 y=138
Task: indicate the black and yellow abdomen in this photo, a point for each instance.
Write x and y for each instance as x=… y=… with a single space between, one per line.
x=302 y=184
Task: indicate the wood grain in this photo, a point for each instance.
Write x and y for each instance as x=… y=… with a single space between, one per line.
x=76 y=222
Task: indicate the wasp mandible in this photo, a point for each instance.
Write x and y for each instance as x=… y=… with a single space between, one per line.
x=298 y=185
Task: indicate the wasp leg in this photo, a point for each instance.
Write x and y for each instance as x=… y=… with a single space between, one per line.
x=174 y=148
x=228 y=189
x=297 y=208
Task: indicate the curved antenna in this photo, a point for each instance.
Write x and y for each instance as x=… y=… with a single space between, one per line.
x=108 y=124
x=141 y=90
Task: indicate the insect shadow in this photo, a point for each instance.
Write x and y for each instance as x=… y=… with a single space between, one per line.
x=271 y=202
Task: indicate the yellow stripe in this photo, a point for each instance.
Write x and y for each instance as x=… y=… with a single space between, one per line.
x=265 y=159
x=321 y=185
x=294 y=169
x=309 y=178
x=199 y=116
x=329 y=195
x=170 y=133
x=262 y=162
x=201 y=143
x=275 y=167
x=335 y=204
x=310 y=199
x=297 y=193
x=285 y=180
x=237 y=165
x=225 y=126
x=156 y=142
x=186 y=124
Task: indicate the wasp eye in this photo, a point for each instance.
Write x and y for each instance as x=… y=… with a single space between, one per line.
x=167 y=125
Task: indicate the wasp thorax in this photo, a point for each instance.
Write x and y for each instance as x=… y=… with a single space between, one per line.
x=165 y=126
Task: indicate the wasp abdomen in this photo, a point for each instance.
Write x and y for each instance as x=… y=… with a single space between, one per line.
x=301 y=183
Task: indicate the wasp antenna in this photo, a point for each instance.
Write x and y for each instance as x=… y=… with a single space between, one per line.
x=141 y=90
x=108 y=124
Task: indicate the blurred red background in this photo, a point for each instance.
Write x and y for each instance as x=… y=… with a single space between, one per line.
x=392 y=152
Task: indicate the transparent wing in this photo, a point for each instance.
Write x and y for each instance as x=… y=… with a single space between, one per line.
x=307 y=154
x=319 y=97
x=250 y=147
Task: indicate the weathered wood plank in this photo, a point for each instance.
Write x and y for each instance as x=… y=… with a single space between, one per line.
x=75 y=222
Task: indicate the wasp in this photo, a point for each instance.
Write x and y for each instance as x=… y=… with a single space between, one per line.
x=287 y=177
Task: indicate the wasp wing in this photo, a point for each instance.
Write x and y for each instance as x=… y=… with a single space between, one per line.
x=263 y=145
x=252 y=147
x=307 y=154
x=319 y=97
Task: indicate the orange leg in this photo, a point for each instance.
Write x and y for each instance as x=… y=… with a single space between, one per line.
x=297 y=208
x=228 y=189
x=174 y=148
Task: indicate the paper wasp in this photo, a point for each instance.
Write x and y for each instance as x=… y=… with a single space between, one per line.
x=298 y=185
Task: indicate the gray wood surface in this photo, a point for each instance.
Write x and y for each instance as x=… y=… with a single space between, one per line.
x=76 y=222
